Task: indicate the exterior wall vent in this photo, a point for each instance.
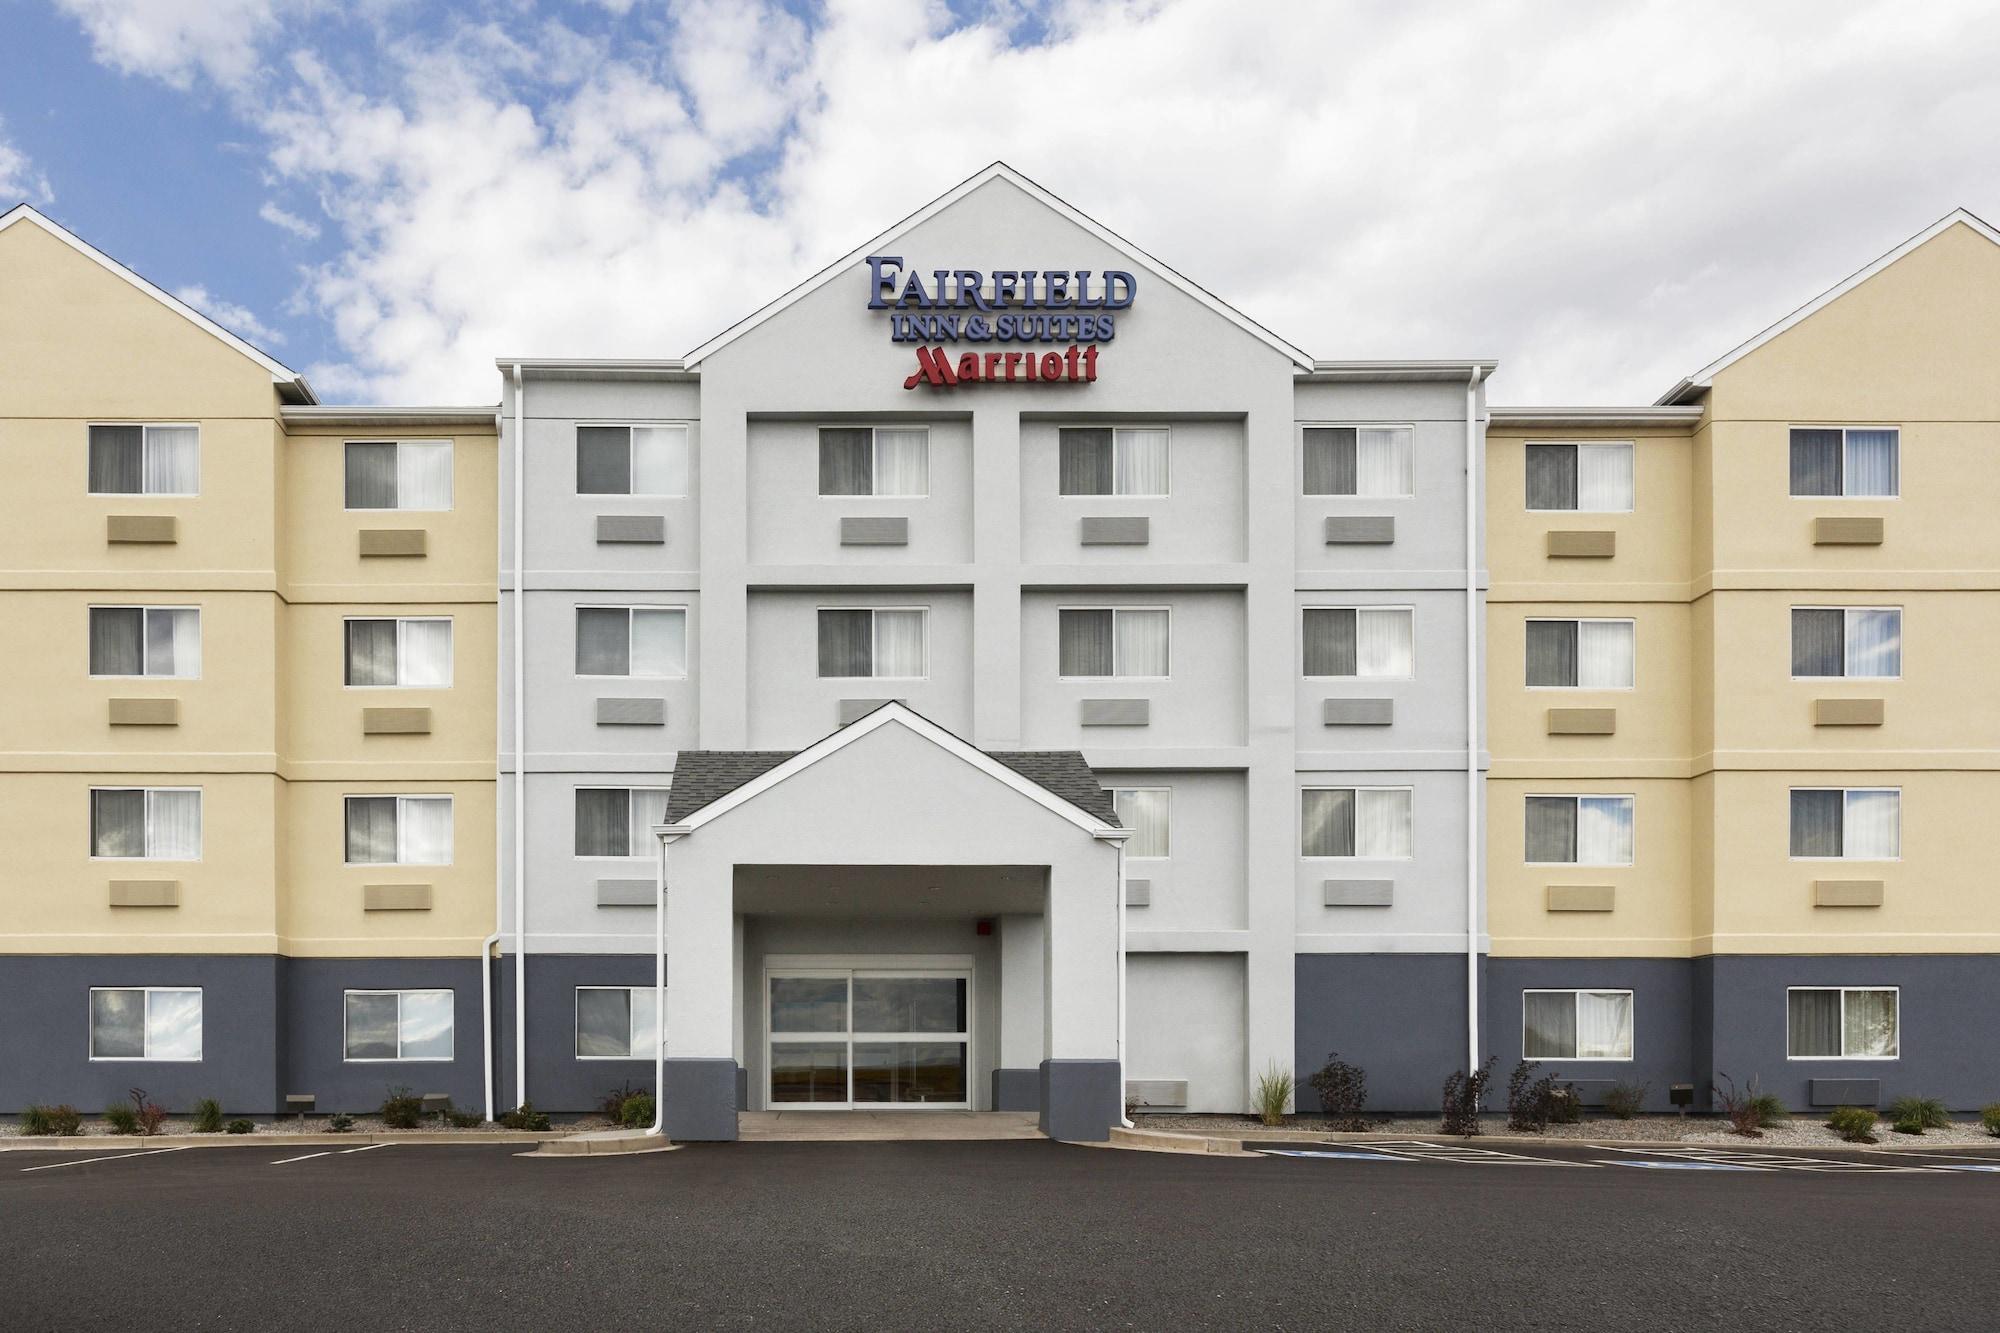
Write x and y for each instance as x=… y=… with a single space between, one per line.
x=1582 y=545
x=875 y=530
x=1581 y=897
x=1847 y=712
x=1359 y=712
x=145 y=893
x=631 y=712
x=1116 y=712
x=395 y=721
x=142 y=529
x=631 y=529
x=1359 y=892
x=1126 y=530
x=1847 y=530
x=145 y=712
x=394 y=541
x=1583 y=721
x=396 y=898
x=1360 y=529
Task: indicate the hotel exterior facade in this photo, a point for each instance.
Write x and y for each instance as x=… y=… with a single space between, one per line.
x=1036 y=689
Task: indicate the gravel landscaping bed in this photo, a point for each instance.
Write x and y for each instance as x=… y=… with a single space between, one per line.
x=1799 y=1131
x=95 y=1128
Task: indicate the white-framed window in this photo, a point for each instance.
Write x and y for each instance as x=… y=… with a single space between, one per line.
x=1113 y=460
x=145 y=823
x=399 y=830
x=1358 y=642
x=1855 y=462
x=1842 y=1022
x=1147 y=812
x=1112 y=643
x=398 y=652
x=875 y=460
x=1580 y=654
x=628 y=459
x=1855 y=641
x=1355 y=823
x=1576 y=1025
x=649 y=642
x=618 y=821
x=132 y=458
x=146 y=641
x=145 y=1023
x=1847 y=823
x=383 y=1025
x=882 y=642
x=617 y=1022
x=399 y=474
x=1362 y=461
x=1593 y=478
x=1579 y=830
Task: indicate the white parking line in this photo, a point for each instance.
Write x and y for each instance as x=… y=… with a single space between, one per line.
x=1346 y=1156
x=331 y=1152
x=370 y=1148
x=116 y=1157
x=1454 y=1152
x=1771 y=1161
x=287 y=1161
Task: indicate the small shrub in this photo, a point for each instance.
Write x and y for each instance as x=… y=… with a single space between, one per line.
x=208 y=1116
x=1464 y=1098
x=1274 y=1094
x=339 y=1124
x=525 y=1117
x=1989 y=1116
x=1533 y=1104
x=149 y=1115
x=1624 y=1100
x=1343 y=1093
x=402 y=1109
x=121 y=1118
x=1914 y=1115
x=240 y=1127
x=637 y=1111
x=612 y=1105
x=1747 y=1109
x=1770 y=1108
x=1856 y=1124
x=458 y=1119
x=62 y=1121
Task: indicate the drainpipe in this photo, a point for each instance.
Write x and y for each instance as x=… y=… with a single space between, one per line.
x=667 y=835
x=1123 y=1119
x=486 y=997
x=1473 y=848
x=520 y=758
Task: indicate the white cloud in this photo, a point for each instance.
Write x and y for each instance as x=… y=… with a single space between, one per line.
x=239 y=320
x=291 y=222
x=1605 y=197
x=19 y=179
x=174 y=40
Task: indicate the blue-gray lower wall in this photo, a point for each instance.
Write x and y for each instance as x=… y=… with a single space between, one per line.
x=315 y=1060
x=1663 y=1048
x=1399 y=1016
x=557 y=1080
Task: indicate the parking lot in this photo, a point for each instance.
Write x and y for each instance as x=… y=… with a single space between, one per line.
x=1387 y=1234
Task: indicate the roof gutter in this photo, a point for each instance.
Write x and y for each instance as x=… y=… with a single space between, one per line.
x=520 y=672
x=1473 y=843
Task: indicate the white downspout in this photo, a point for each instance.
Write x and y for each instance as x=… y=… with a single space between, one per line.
x=1474 y=850
x=1123 y=1119
x=659 y=1124
x=520 y=756
x=486 y=997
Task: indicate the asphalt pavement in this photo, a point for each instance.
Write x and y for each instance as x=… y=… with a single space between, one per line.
x=989 y=1235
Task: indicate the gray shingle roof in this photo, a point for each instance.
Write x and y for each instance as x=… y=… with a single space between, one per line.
x=702 y=777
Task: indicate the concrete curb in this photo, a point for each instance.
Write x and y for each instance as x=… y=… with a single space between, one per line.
x=1241 y=1143
x=129 y=1142
x=603 y=1143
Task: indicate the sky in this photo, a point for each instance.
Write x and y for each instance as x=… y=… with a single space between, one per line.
x=388 y=194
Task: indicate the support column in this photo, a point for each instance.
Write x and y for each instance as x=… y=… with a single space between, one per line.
x=698 y=1091
x=1082 y=1090
x=1017 y=1078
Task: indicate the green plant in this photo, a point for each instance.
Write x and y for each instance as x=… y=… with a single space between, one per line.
x=525 y=1117
x=458 y=1119
x=1749 y=1111
x=637 y=1111
x=240 y=1127
x=1623 y=1100
x=1989 y=1116
x=1856 y=1124
x=121 y=1118
x=1533 y=1104
x=1343 y=1093
x=148 y=1115
x=1770 y=1109
x=1914 y=1115
x=63 y=1121
x=208 y=1116
x=339 y=1124
x=612 y=1104
x=1274 y=1094
x=402 y=1109
x=1464 y=1099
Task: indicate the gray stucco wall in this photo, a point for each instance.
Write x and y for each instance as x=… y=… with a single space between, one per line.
x=313 y=1004
x=557 y=1080
x=1663 y=1046
x=1401 y=1017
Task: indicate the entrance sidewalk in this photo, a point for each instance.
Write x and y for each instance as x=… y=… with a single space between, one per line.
x=866 y=1126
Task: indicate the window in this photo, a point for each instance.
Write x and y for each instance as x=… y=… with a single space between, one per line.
x=1144 y=810
x=1372 y=461
x=408 y=653
x=647 y=641
x=1849 y=824
x=396 y=1025
x=1576 y=1025
x=399 y=830
x=882 y=643
x=1856 y=463
x=1101 y=643
x=145 y=1023
x=632 y=460
x=146 y=823
x=1366 y=823
x=1586 y=478
x=1579 y=830
x=1367 y=643
x=399 y=474
x=145 y=460
x=618 y=821
x=874 y=460
x=1113 y=460
x=1857 y=641
x=1841 y=1023
x=1580 y=654
x=617 y=1022
x=145 y=641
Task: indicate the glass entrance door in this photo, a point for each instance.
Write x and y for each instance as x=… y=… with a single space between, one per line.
x=846 y=1037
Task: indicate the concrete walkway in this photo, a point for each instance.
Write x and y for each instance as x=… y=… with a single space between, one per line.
x=863 y=1126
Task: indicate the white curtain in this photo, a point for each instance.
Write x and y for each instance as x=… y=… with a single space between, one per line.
x=1604 y=478
x=899 y=644
x=659 y=642
x=173 y=642
x=1871 y=463
x=424 y=1026
x=173 y=460
x=1548 y=1025
x=423 y=653
x=1139 y=643
x=423 y=475
x=659 y=460
x=173 y=1025
x=1868 y=1023
x=173 y=825
x=1382 y=824
x=1874 y=642
x=1141 y=460
x=648 y=808
x=902 y=460
x=1604 y=830
x=1383 y=639
x=1870 y=825
x=1383 y=462
x=1144 y=811
x=1603 y=1025
x=423 y=830
x=1604 y=654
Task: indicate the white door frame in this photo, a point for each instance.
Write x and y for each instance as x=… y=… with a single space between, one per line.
x=848 y=968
